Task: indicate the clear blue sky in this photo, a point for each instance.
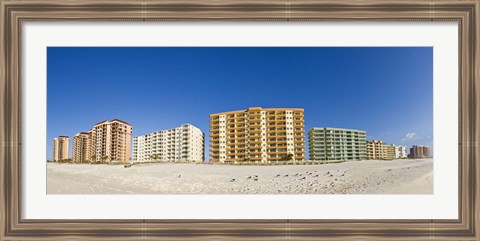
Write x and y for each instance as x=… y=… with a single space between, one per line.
x=386 y=91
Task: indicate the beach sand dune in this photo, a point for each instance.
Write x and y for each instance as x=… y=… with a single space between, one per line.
x=359 y=177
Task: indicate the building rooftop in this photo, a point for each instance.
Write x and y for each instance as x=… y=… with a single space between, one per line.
x=255 y=108
x=121 y=121
x=332 y=128
x=81 y=133
x=101 y=122
x=171 y=130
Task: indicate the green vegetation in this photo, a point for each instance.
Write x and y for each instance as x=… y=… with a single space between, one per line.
x=289 y=157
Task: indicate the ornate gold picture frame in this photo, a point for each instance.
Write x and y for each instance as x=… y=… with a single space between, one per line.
x=14 y=13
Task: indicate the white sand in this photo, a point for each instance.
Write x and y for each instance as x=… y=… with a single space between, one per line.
x=362 y=177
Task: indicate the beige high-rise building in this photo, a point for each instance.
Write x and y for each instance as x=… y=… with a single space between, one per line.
x=111 y=141
x=426 y=151
x=376 y=150
x=257 y=135
x=389 y=152
x=61 y=146
x=81 y=147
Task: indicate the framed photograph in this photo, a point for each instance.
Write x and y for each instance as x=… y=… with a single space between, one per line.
x=234 y=120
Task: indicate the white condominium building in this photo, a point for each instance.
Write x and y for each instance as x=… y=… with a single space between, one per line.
x=400 y=152
x=181 y=144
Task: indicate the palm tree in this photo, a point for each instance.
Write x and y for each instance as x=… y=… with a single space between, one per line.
x=155 y=157
x=104 y=158
x=289 y=156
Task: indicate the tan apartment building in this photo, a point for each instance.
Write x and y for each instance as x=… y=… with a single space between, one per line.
x=81 y=147
x=61 y=146
x=111 y=141
x=376 y=150
x=426 y=151
x=389 y=152
x=257 y=135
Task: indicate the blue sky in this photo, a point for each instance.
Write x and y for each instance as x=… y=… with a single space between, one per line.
x=386 y=91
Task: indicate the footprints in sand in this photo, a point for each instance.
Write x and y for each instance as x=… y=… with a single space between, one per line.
x=313 y=182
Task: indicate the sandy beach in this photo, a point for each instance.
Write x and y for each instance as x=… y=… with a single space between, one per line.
x=360 y=177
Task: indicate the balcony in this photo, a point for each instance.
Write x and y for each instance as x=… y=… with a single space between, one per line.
x=256 y=130
x=256 y=114
x=277 y=153
x=214 y=124
x=256 y=125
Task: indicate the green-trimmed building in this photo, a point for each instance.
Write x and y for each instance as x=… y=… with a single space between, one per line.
x=336 y=144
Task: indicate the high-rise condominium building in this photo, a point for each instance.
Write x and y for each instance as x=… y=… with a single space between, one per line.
x=257 y=135
x=417 y=151
x=61 y=146
x=337 y=144
x=181 y=144
x=389 y=152
x=426 y=151
x=110 y=141
x=400 y=152
x=81 y=147
x=376 y=150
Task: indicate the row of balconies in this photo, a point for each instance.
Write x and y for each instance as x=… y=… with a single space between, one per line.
x=330 y=144
x=321 y=131
x=320 y=137
x=236 y=116
x=317 y=133
x=337 y=139
x=339 y=151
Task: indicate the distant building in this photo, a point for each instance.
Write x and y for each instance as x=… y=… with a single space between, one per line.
x=61 y=146
x=257 y=135
x=389 y=152
x=81 y=147
x=376 y=150
x=337 y=144
x=181 y=144
x=400 y=152
x=417 y=151
x=111 y=141
x=426 y=152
